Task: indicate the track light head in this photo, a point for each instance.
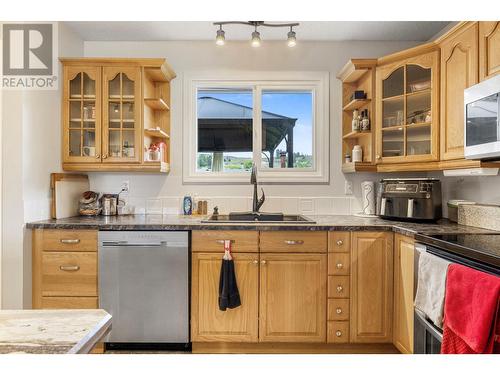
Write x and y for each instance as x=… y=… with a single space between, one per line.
x=220 y=39
x=256 y=41
x=291 y=40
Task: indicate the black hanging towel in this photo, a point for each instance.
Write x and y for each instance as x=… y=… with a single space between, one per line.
x=229 y=297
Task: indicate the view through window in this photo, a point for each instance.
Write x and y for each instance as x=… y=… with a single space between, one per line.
x=226 y=124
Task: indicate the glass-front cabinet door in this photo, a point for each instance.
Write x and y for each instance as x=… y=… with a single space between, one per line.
x=121 y=115
x=407 y=118
x=82 y=115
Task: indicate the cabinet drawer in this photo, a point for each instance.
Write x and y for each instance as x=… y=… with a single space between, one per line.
x=69 y=274
x=338 y=286
x=293 y=241
x=70 y=303
x=339 y=242
x=69 y=240
x=211 y=241
x=338 y=309
x=338 y=332
x=339 y=264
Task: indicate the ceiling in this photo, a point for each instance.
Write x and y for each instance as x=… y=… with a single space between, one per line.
x=309 y=30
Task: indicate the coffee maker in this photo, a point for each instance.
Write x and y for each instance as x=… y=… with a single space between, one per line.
x=411 y=199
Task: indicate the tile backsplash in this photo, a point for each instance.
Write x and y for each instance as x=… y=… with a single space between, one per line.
x=290 y=205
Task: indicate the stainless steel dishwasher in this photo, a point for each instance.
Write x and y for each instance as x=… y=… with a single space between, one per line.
x=144 y=285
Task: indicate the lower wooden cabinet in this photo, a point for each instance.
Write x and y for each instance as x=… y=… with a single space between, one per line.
x=208 y=323
x=292 y=298
x=371 y=287
x=404 y=255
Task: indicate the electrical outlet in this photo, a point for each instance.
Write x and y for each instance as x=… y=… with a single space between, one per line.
x=125 y=186
x=348 y=188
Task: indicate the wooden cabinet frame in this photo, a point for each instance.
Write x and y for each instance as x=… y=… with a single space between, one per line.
x=489 y=49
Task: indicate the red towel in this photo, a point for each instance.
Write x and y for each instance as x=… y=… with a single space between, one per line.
x=470 y=311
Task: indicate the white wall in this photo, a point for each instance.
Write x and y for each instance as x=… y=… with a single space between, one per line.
x=199 y=56
x=31 y=129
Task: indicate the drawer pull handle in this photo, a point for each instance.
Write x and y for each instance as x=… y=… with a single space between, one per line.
x=340 y=243
x=294 y=242
x=338 y=311
x=69 y=268
x=70 y=241
x=221 y=242
x=340 y=266
x=340 y=288
x=338 y=333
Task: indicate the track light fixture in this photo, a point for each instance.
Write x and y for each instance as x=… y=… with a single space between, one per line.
x=220 y=39
x=256 y=41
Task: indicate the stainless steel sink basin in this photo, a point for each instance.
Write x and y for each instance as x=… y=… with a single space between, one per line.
x=253 y=217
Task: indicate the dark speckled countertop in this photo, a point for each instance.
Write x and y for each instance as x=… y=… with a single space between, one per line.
x=323 y=222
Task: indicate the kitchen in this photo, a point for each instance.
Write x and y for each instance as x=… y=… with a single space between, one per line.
x=323 y=179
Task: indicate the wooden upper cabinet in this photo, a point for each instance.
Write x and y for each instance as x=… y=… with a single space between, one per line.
x=371 y=287
x=404 y=258
x=292 y=298
x=489 y=49
x=81 y=114
x=407 y=111
x=459 y=70
x=208 y=323
x=121 y=115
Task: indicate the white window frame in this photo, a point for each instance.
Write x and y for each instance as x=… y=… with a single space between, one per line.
x=316 y=82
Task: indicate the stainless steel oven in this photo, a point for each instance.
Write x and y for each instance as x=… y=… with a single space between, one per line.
x=482 y=120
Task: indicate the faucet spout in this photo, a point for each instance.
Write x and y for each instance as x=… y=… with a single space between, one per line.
x=257 y=202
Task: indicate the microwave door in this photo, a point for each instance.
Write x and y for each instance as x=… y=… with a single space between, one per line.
x=482 y=128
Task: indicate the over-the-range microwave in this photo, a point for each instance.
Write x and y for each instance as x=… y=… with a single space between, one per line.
x=482 y=120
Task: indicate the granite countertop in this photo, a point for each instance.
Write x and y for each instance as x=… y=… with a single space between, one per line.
x=52 y=331
x=323 y=222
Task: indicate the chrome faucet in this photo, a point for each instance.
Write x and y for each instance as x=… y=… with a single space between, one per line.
x=257 y=203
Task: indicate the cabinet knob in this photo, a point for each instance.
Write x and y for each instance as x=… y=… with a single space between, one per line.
x=104 y=156
x=340 y=266
x=255 y=261
x=263 y=262
x=338 y=311
x=97 y=156
x=340 y=288
x=377 y=157
x=340 y=243
x=338 y=333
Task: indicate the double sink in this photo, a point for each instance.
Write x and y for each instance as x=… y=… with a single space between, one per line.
x=252 y=217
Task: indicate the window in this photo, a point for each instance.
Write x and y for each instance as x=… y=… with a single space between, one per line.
x=279 y=124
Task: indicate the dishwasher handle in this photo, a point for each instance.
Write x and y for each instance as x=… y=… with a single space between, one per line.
x=133 y=244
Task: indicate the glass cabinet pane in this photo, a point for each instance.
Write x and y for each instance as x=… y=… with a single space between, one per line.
x=88 y=148
x=128 y=115
x=114 y=143
x=114 y=87
x=75 y=142
x=394 y=84
x=418 y=140
x=393 y=142
x=417 y=78
x=75 y=114
x=418 y=108
x=114 y=114
x=88 y=87
x=75 y=87
x=128 y=87
x=392 y=112
x=128 y=150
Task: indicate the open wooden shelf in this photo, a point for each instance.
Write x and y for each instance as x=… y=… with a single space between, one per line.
x=358 y=167
x=354 y=135
x=156 y=133
x=156 y=104
x=355 y=104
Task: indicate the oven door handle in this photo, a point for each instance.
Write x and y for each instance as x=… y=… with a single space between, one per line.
x=431 y=328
